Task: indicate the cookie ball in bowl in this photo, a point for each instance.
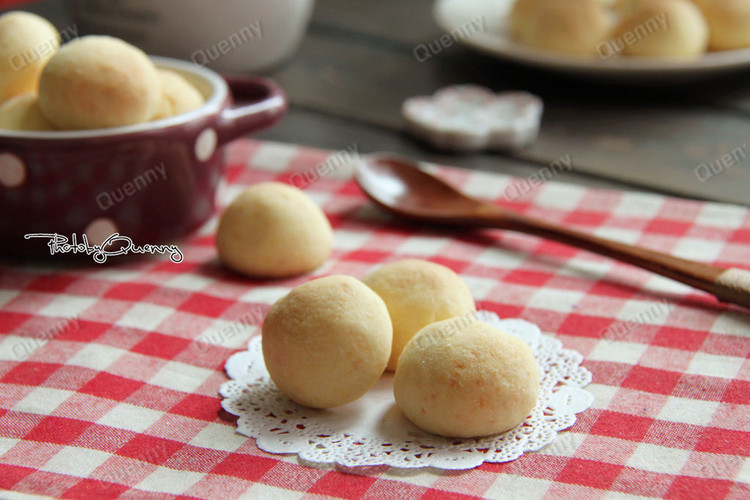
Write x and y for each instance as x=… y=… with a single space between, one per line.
x=22 y=113
x=99 y=82
x=662 y=28
x=466 y=380
x=417 y=293
x=179 y=95
x=327 y=342
x=273 y=230
x=27 y=42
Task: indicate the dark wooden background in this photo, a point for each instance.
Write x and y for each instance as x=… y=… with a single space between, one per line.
x=356 y=66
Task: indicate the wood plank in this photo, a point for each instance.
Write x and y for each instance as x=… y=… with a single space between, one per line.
x=315 y=129
x=731 y=93
x=642 y=137
x=407 y=22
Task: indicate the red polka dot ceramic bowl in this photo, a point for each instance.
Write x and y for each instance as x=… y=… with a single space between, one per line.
x=152 y=182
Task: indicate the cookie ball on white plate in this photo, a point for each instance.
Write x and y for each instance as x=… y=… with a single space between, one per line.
x=99 y=82
x=662 y=28
x=466 y=380
x=728 y=21
x=179 y=95
x=22 y=113
x=327 y=342
x=27 y=42
x=417 y=293
x=273 y=230
x=574 y=27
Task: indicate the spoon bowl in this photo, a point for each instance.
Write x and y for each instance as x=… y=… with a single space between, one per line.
x=393 y=181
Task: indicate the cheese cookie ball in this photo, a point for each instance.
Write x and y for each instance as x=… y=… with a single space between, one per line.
x=27 y=42
x=574 y=27
x=22 y=113
x=728 y=21
x=466 y=380
x=418 y=293
x=327 y=342
x=273 y=230
x=662 y=28
x=626 y=8
x=99 y=82
x=521 y=19
x=179 y=95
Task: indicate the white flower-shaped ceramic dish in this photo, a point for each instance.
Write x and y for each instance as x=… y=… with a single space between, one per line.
x=473 y=118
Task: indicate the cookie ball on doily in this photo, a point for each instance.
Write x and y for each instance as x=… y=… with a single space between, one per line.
x=27 y=42
x=661 y=28
x=327 y=342
x=728 y=21
x=273 y=230
x=22 y=113
x=575 y=27
x=179 y=95
x=466 y=379
x=99 y=82
x=418 y=293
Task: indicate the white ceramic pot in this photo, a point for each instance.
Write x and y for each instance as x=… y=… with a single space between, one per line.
x=231 y=36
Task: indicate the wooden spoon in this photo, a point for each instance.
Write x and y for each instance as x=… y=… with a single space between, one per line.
x=398 y=185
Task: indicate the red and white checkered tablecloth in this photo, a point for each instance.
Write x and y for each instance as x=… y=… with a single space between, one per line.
x=105 y=392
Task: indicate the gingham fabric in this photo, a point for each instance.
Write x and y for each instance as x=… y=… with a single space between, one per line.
x=109 y=375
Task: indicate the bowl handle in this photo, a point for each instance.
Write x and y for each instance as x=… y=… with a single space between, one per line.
x=266 y=104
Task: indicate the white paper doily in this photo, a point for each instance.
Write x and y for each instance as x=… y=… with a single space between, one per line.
x=372 y=431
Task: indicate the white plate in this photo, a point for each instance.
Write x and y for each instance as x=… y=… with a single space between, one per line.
x=494 y=40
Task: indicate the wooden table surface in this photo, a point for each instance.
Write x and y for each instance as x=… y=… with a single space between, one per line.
x=356 y=66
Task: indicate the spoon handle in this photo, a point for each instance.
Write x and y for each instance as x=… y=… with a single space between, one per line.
x=728 y=285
